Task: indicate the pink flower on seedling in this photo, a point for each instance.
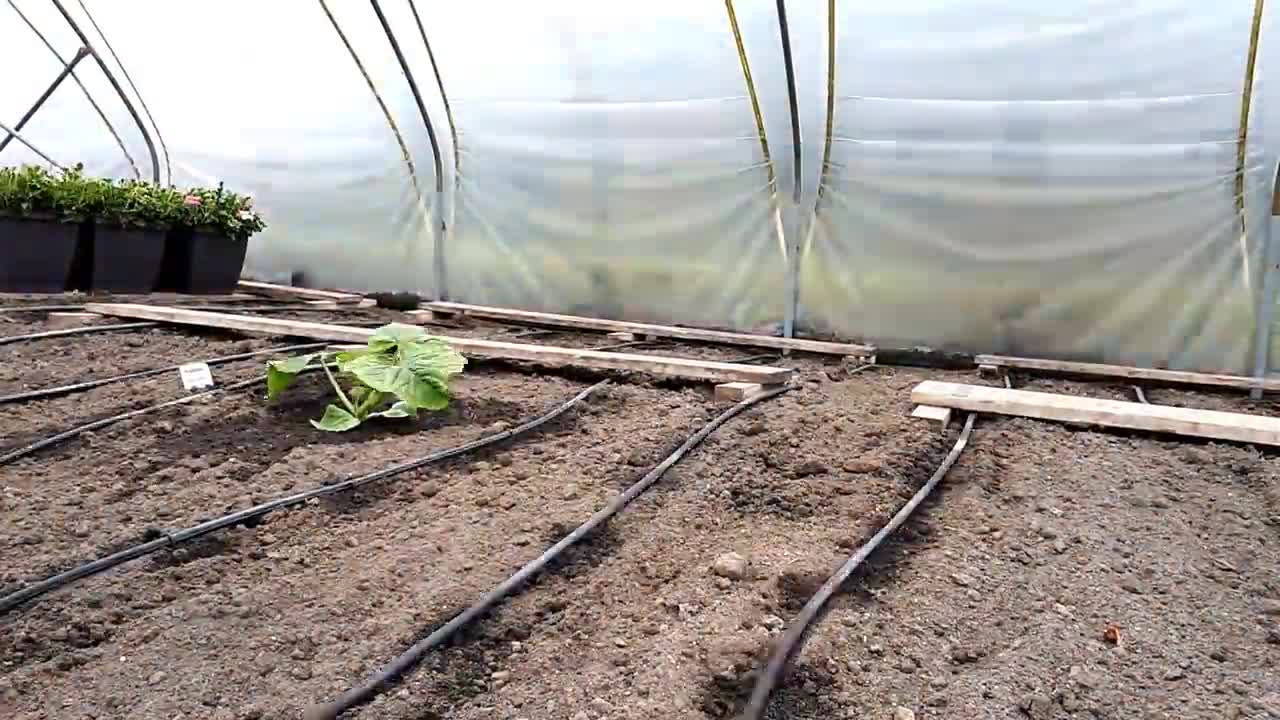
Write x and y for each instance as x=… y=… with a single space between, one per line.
x=192 y=201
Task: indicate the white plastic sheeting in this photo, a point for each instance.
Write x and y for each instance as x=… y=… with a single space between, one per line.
x=1057 y=180
x=1048 y=179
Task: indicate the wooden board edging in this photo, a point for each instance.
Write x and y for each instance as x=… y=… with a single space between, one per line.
x=295 y=293
x=1213 y=424
x=547 y=355
x=642 y=329
x=1173 y=377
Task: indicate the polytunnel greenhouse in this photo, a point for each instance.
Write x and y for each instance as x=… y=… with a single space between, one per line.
x=1057 y=180
x=702 y=360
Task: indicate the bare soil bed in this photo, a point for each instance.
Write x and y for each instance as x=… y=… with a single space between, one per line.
x=1003 y=598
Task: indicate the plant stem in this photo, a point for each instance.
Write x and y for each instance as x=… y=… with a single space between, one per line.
x=369 y=403
x=338 y=388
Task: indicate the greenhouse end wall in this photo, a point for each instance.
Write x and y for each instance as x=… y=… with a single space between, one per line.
x=1053 y=181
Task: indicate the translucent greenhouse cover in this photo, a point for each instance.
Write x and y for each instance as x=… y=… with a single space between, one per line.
x=1054 y=179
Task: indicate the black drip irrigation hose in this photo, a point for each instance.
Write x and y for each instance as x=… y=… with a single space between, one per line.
x=380 y=680
x=793 y=638
x=76 y=331
x=758 y=357
x=629 y=344
x=31 y=592
x=90 y=384
x=40 y=309
x=61 y=437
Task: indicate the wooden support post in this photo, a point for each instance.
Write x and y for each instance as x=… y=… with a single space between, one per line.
x=736 y=391
x=933 y=413
x=622 y=336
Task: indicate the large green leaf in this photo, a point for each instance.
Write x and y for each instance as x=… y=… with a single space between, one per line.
x=281 y=373
x=395 y=335
x=438 y=358
x=418 y=375
x=336 y=420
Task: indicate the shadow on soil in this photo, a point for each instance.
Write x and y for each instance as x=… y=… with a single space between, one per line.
x=446 y=680
x=804 y=694
x=880 y=570
x=805 y=690
x=368 y=496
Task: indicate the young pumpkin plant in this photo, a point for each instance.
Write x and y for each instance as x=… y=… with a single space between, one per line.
x=401 y=365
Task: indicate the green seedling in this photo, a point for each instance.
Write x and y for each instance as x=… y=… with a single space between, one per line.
x=401 y=365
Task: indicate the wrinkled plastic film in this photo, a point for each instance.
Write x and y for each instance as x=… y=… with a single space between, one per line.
x=618 y=173
x=1052 y=180
x=1086 y=213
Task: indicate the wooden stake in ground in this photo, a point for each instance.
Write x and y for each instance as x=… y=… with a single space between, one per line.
x=1212 y=424
x=541 y=354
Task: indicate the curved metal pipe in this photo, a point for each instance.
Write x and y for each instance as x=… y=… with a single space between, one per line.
x=413 y=88
x=115 y=84
x=785 y=31
x=168 y=167
x=437 y=210
x=751 y=92
x=790 y=219
x=44 y=97
x=448 y=110
x=133 y=164
x=377 y=96
x=14 y=134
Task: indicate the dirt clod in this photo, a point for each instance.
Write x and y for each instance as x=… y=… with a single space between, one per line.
x=731 y=565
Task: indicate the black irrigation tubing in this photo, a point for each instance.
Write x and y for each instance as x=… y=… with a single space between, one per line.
x=793 y=638
x=380 y=680
x=52 y=440
x=31 y=592
x=40 y=308
x=90 y=384
x=6 y=340
x=755 y=358
x=622 y=345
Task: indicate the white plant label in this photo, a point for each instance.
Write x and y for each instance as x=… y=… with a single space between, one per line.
x=196 y=376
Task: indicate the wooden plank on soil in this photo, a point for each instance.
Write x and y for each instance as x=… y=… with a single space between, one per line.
x=542 y=354
x=1213 y=424
x=650 y=330
x=1174 y=377
x=290 y=292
